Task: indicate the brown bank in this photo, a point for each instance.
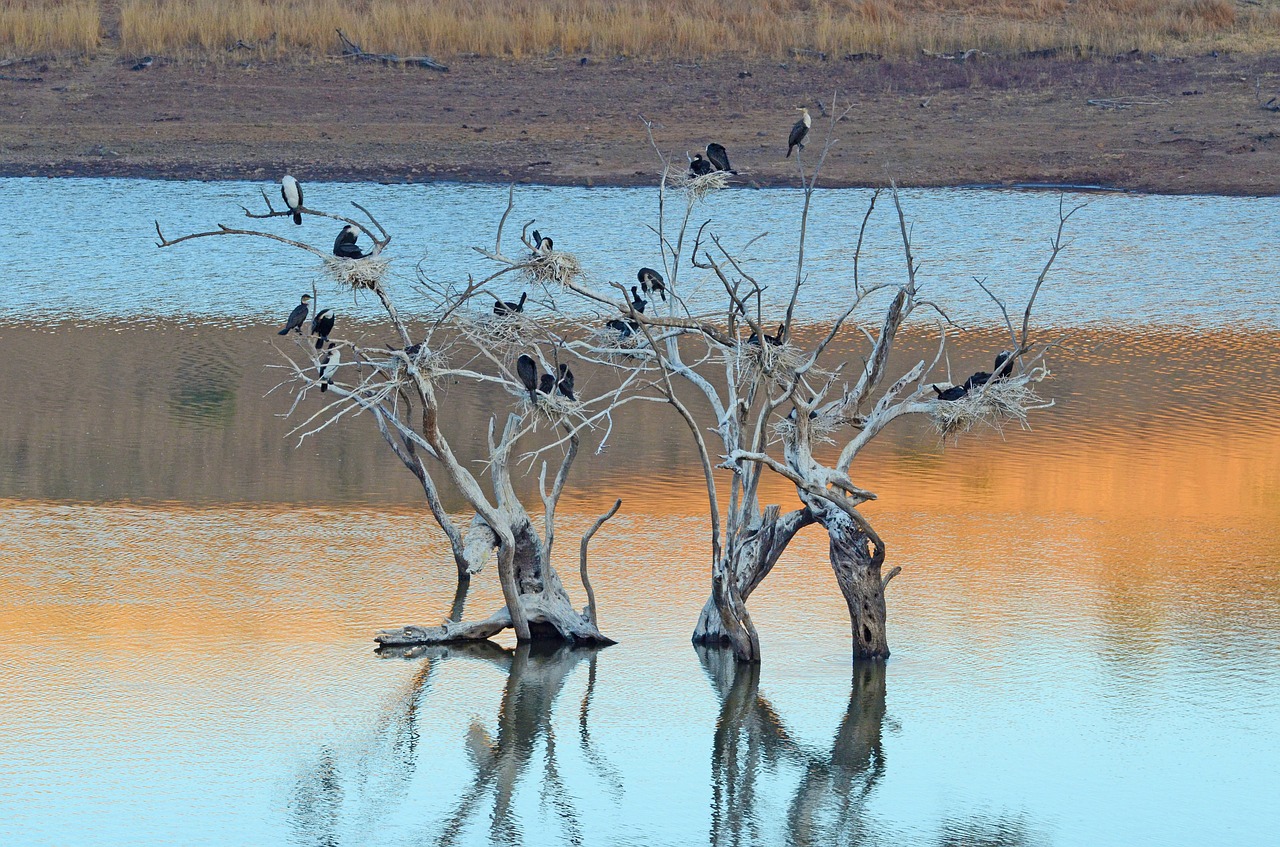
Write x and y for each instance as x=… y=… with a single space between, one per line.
x=1136 y=121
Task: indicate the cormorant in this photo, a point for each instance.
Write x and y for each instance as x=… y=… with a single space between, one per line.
x=955 y=392
x=546 y=384
x=979 y=379
x=291 y=191
x=625 y=328
x=344 y=247
x=772 y=340
x=565 y=384
x=651 y=281
x=1004 y=364
x=329 y=366
x=297 y=316
x=799 y=132
x=541 y=244
x=527 y=370
x=322 y=325
x=638 y=302
x=699 y=166
x=503 y=308
x=719 y=158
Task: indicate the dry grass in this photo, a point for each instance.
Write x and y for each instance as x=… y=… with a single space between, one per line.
x=642 y=28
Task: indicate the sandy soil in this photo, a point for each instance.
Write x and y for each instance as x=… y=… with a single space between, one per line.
x=1191 y=125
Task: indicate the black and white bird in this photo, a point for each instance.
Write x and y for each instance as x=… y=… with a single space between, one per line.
x=527 y=371
x=565 y=383
x=799 y=132
x=144 y=63
x=719 y=158
x=637 y=302
x=1004 y=364
x=955 y=392
x=772 y=340
x=502 y=308
x=542 y=245
x=651 y=282
x=699 y=166
x=329 y=366
x=322 y=325
x=344 y=247
x=297 y=316
x=291 y=191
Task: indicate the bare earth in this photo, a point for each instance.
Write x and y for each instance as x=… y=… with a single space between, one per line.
x=1191 y=125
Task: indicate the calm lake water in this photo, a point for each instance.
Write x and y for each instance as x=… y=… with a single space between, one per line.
x=1086 y=633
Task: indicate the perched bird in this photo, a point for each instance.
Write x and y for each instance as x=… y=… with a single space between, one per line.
x=344 y=247
x=291 y=191
x=546 y=384
x=1004 y=364
x=955 y=392
x=699 y=166
x=297 y=316
x=772 y=340
x=625 y=328
x=651 y=282
x=638 y=302
x=503 y=308
x=329 y=366
x=527 y=370
x=144 y=63
x=565 y=383
x=799 y=132
x=322 y=325
x=541 y=244
x=719 y=158
x=978 y=380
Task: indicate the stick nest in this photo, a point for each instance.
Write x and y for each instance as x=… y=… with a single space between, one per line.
x=697 y=187
x=356 y=273
x=554 y=268
x=993 y=404
x=822 y=429
x=776 y=360
x=503 y=331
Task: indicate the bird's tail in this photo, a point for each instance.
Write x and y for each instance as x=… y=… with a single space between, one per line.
x=297 y=218
x=789 y=149
x=284 y=331
x=662 y=292
x=321 y=340
x=324 y=386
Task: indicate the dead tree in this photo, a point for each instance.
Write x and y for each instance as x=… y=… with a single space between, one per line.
x=396 y=389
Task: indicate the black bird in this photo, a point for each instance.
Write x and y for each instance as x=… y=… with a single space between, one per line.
x=297 y=316
x=527 y=370
x=638 y=302
x=799 y=132
x=625 y=328
x=322 y=325
x=651 y=282
x=719 y=157
x=979 y=379
x=772 y=340
x=955 y=392
x=699 y=166
x=344 y=247
x=291 y=191
x=546 y=384
x=1004 y=364
x=503 y=308
x=329 y=366
x=143 y=64
x=565 y=384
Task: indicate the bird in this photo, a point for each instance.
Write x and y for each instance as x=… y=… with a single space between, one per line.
x=329 y=366
x=651 y=281
x=625 y=328
x=144 y=63
x=719 y=157
x=344 y=247
x=638 y=302
x=978 y=380
x=541 y=244
x=1004 y=364
x=322 y=325
x=565 y=383
x=772 y=340
x=546 y=384
x=297 y=316
x=527 y=370
x=955 y=392
x=291 y=191
x=699 y=166
x=503 y=308
x=799 y=132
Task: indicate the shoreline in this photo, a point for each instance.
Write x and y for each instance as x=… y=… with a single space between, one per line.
x=1144 y=125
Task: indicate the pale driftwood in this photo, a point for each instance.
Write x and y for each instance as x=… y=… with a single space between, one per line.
x=351 y=50
x=590 y=612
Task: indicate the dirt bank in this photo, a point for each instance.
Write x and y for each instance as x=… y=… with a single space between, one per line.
x=1191 y=125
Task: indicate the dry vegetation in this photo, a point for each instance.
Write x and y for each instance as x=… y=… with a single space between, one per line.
x=640 y=28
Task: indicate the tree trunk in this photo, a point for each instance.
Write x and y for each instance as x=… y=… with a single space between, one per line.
x=750 y=557
x=856 y=561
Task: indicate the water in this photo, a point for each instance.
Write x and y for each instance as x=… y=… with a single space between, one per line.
x=1085 y=633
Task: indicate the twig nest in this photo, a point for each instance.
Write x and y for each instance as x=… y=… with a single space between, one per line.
x=993 y=404
x=821 y=429
x=555 y=267
x=777 y=360
x=356 y=273
x=697 y=187
x=617 y=346
x=509 y=330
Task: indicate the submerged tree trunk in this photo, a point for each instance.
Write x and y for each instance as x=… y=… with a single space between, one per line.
x=856 y=558
x=743 y=565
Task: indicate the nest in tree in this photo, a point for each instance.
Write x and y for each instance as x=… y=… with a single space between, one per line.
x=356 y=273
x=553 y=268
x=821 y=428
x=993 y=404
x=615 y=346
x=500 y=330
x=776 y=360
x=697 y=187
